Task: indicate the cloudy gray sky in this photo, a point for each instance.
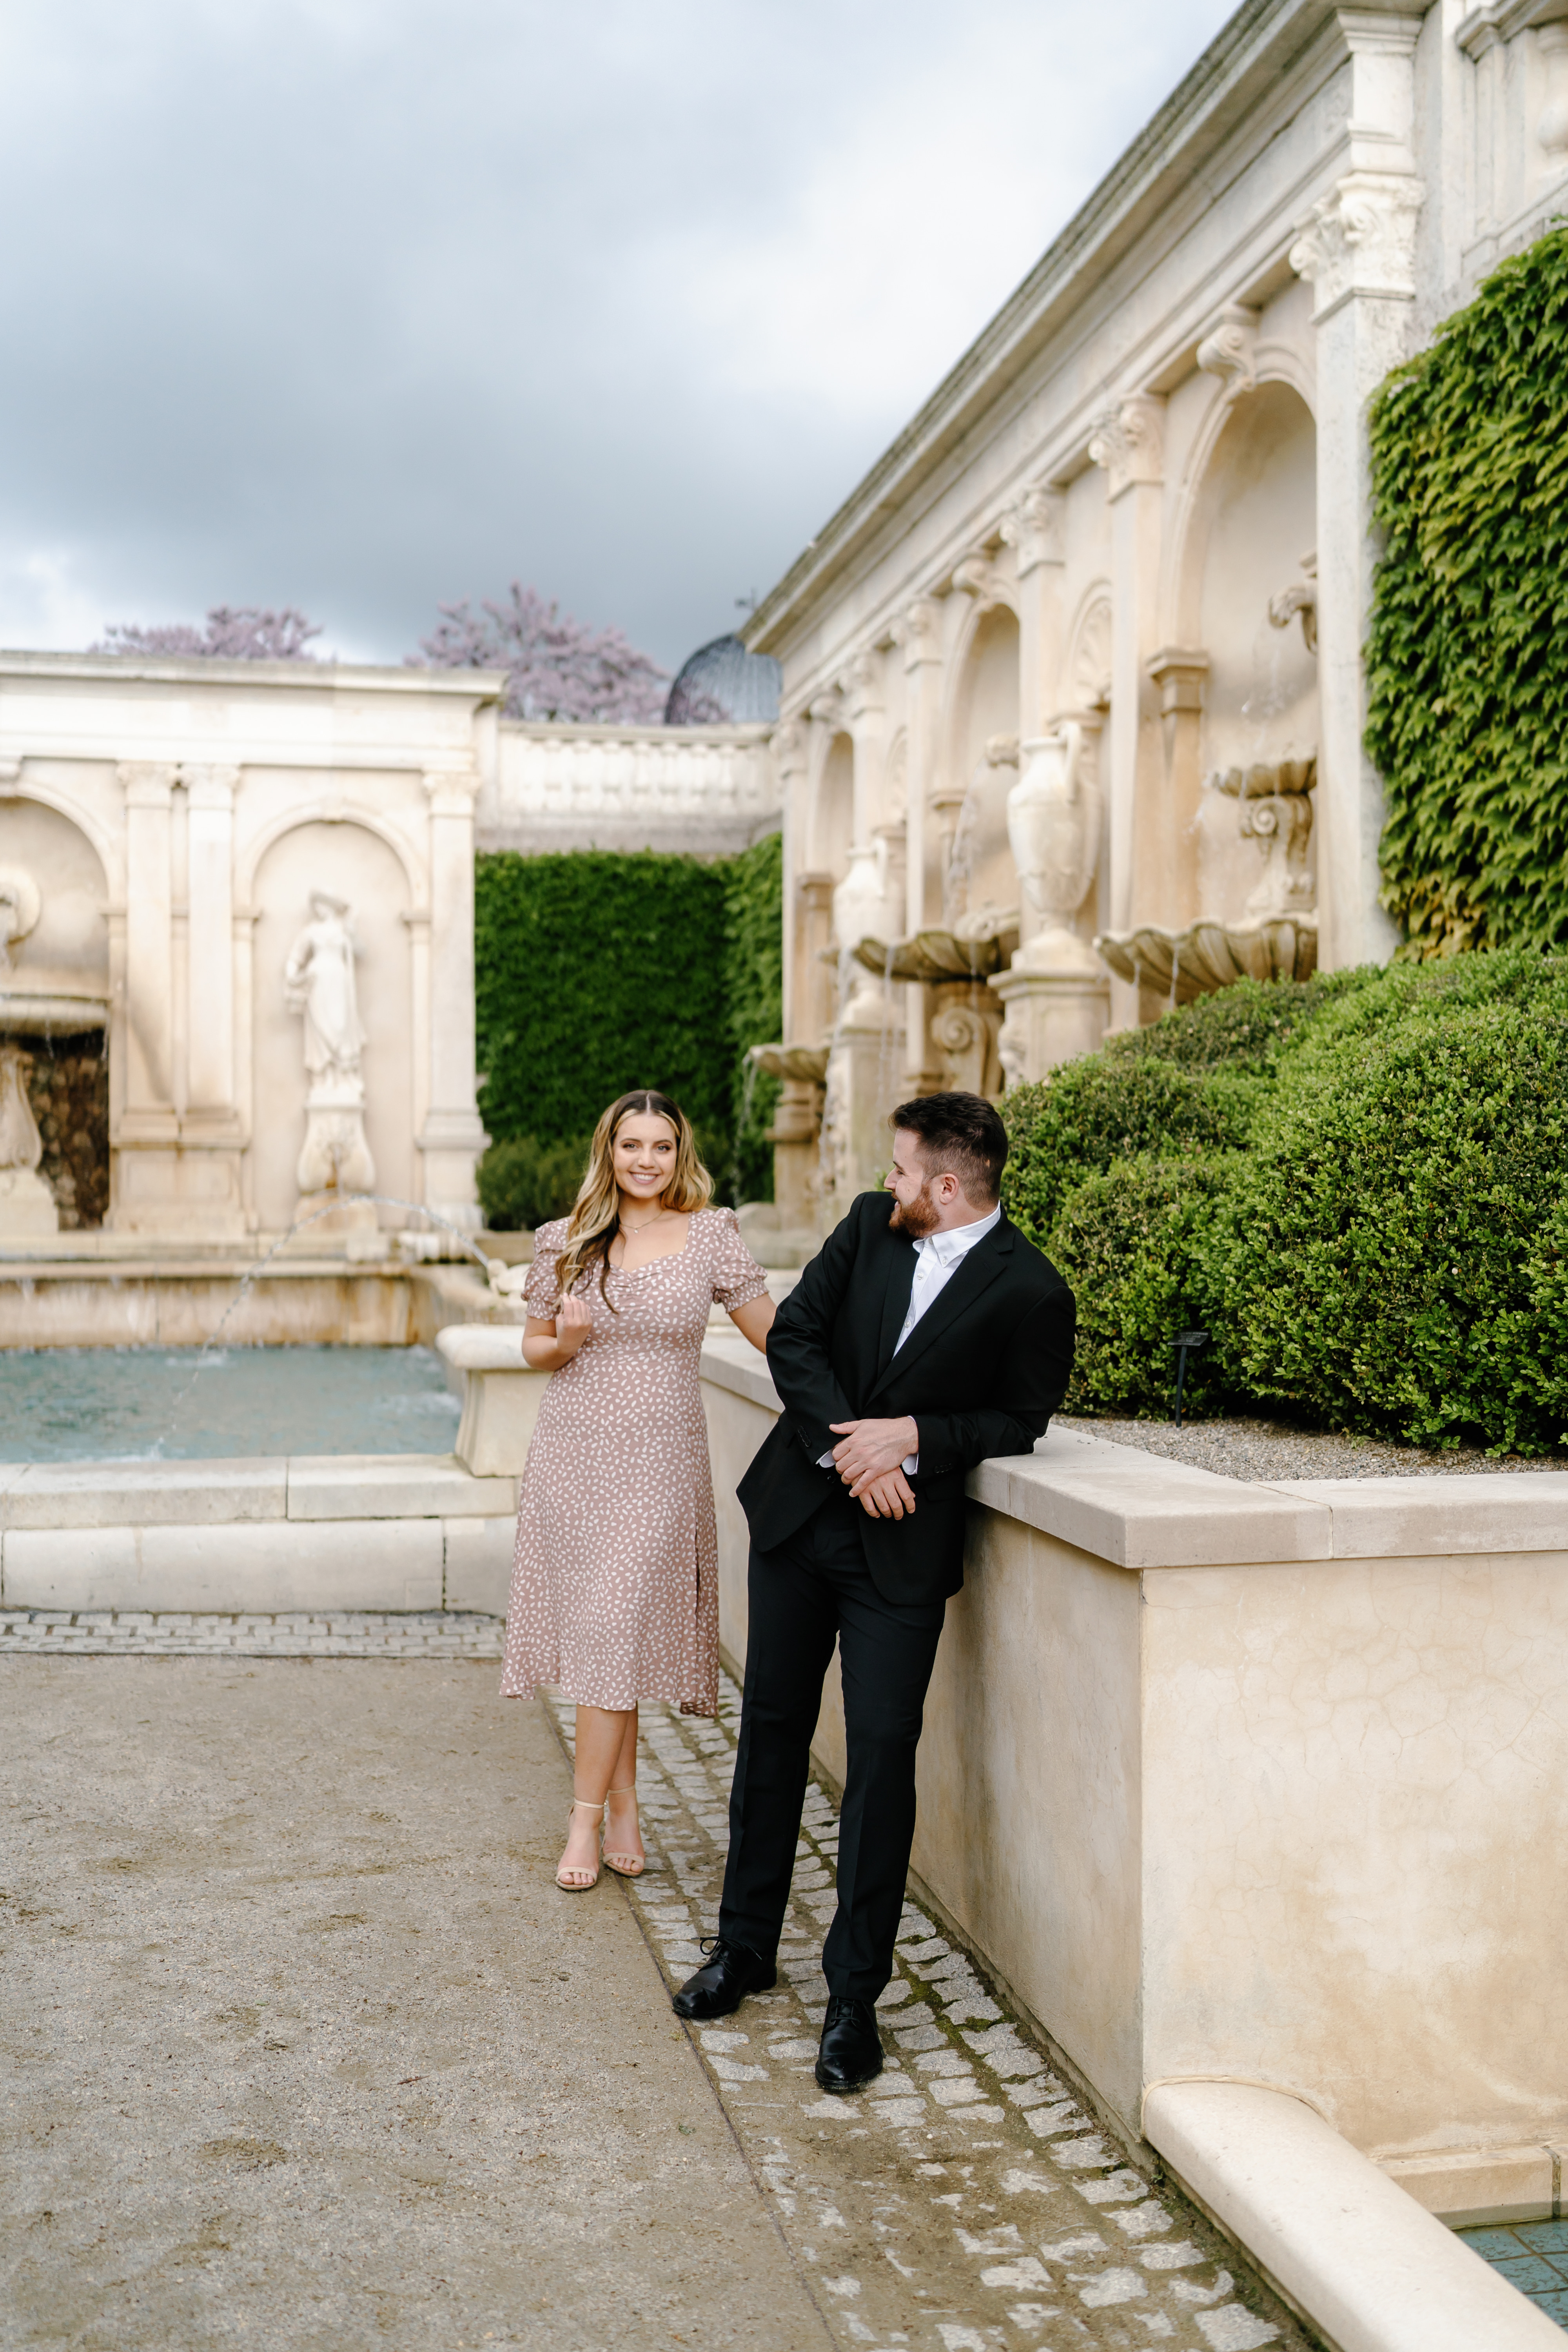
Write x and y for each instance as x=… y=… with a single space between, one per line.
x=361 y=304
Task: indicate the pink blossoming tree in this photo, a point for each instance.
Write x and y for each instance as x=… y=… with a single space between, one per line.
x=556 y=668
x=232 y=633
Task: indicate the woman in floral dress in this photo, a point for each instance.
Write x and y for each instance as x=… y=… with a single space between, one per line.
x=615 y=1591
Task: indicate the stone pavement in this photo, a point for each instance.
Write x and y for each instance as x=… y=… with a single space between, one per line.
x=305 y=2047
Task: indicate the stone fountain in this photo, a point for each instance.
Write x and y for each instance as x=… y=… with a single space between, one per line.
x=1277 y=938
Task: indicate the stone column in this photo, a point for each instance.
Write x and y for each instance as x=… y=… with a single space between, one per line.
x=1177 y=674
x=789 y=756
x=919 y=637
x=1357 y=247
x=149 y=953
x=1129 y=444
x=451 y=1135
x=210 y=1082
x=1035 y=530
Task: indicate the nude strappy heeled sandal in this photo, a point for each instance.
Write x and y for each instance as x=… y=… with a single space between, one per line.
x=625 y=1865
x=579 y=1881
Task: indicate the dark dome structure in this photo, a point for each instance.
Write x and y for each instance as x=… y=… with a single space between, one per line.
x=723 y=685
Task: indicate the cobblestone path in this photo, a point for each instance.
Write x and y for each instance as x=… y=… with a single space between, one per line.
x=969 y=2201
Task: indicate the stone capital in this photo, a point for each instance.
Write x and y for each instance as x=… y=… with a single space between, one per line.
x=1129 y=441
x=918 y=631
x=1178 y=672
x=974 y=574
x=146 y=783
x=1359 y=241
x=1229 y=347
x=862 y=687
x=452 y=791
x=789 y=747
x=1035 y=528
x=209 y=787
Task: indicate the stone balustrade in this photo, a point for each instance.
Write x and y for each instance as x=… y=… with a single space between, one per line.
x=709 y=790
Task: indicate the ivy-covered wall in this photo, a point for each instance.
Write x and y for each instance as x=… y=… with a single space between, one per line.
x=598 y=972
x=1467 y=655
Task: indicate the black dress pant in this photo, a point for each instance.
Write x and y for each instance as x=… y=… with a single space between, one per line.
x=806 y=1594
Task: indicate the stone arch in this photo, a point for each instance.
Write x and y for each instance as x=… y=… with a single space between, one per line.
x=361 y=864
x=1250 y=519
x=334 y=810
x=832 y=808
x=981 y=721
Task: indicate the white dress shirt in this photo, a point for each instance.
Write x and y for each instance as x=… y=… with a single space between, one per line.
x=938 y=1257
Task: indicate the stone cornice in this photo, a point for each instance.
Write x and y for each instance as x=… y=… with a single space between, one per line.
x=1240 y=73
x=1500 y=20
x=480 y=686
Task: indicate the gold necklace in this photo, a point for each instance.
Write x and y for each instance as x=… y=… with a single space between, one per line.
x=642 y=1228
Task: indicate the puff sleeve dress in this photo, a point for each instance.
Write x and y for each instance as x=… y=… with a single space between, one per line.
x=614 y=1594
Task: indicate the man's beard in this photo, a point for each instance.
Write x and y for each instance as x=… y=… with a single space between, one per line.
x=917 y=1217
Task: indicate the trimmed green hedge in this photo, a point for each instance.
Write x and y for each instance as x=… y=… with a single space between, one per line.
x=1357 y=1188
x=1467 y=677
x=597 y=972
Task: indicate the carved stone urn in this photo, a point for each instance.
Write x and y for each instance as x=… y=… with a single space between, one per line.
x=1053 y=829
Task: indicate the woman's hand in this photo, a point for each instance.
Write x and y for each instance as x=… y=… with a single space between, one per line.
x=548 y=1345
x=573 y=1322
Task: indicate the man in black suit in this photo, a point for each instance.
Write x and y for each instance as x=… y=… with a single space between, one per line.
x=927 y=1334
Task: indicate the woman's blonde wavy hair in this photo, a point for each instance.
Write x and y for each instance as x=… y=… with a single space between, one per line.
x=596 y=1211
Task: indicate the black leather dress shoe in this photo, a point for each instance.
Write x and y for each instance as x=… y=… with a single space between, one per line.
x=851 y=2051
x=722 y=1982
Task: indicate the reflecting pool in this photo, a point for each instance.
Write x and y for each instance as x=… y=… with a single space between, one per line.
x=143 y=1404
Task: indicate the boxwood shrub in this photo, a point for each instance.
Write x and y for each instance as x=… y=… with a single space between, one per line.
x=1356 y=1185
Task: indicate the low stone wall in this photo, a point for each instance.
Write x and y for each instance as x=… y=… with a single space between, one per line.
x=1264 y=1784
x=303 y=1532
x=131 y=1295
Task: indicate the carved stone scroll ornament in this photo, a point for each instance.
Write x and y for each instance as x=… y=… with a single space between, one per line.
x=1229 y=349
x=1275 y=809
x=319 y=983
x=1361 y=240
x=966 y=1029
x=1053 y=830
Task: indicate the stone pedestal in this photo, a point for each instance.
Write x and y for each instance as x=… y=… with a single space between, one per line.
x=334 y=1152
x=1057 y=1007
x=864 y=1082
x=502 y=1396
x=27 y=1205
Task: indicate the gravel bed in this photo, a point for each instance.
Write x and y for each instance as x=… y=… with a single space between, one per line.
x=1258 y=1449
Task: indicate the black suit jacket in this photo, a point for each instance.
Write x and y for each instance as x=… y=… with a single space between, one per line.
x=982 y=1372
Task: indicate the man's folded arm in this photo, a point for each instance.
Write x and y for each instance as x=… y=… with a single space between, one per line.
x=1032 y=1380
x=799 y=1341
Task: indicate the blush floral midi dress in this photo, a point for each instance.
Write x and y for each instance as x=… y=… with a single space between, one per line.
x=614 y=1589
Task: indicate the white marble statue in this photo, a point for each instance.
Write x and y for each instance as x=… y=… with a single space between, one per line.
x=318 y=981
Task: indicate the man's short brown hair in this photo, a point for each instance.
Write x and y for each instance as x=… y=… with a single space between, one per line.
x=960 y=1135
